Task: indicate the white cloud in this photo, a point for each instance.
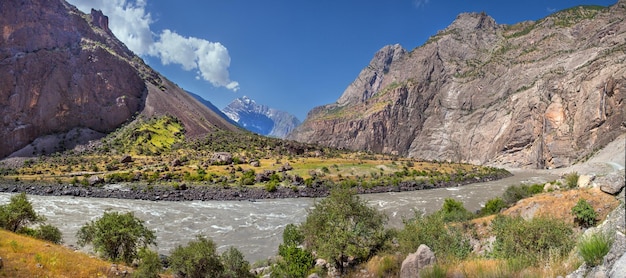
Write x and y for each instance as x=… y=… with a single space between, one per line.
x=130 y=22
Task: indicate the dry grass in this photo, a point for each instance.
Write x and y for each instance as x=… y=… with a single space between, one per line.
x=28 y=257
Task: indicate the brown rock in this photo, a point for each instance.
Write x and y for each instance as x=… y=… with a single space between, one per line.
x=480 y=92
x=126 y=159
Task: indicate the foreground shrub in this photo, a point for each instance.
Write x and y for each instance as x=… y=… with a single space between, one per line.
x=343 y=226
x=454 y=211
x=493 y=206
x=447 y=242
x=116 y=236
x=528 y=241
x=593 y=248
x=49 y=233
x=197 y=259
x=235 y=266
x=584 y=214
x=149 y=264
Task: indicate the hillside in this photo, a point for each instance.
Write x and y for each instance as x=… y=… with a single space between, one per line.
x=63 y=70
x=537 y=94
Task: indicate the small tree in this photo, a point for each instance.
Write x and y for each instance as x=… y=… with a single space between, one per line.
x=343 y=226
x=198 y=259
x=18 y=213
x=584 y=214
x=295 y=261
x=116 y=236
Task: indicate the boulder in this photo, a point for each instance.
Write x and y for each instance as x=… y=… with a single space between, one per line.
x=126 y=159
x=255 y=163
x=550 y=187
x=415 y=262
x=619 y=268
x=612 y=183
x=176 y=162
x=286 y=167
x=222 y=158
x=584 y=181
x=93 y=180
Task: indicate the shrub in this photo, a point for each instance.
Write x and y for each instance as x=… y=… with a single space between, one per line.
x=49 y=233
x=116 y=236
x=571 y=180
x=530 y=240
x=446 y=241
x=295 y=261
x=235 y=266
x=593 y=248
x=517 y=192
x=493 y=206
x=149 y=264
x=584 y=214
x=197 y=259
x=453 y=211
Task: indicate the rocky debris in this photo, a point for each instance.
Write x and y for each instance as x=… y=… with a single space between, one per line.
x=95 y=180
x=554 y=99
x=612 y=183
x=415 y=262
x=176 y=162
x=285 y=167
x=255 y=163
x=264 y=176
x=222 y=158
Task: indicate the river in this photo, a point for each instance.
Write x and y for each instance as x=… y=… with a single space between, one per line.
x=255 y=228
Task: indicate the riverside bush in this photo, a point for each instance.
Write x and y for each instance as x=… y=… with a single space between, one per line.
x=529 y=241
x=593 y=248
x=454 y=211
x=493 y=206
x=517 y=192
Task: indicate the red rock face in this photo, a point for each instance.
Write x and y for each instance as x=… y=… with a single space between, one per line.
x=61 y=69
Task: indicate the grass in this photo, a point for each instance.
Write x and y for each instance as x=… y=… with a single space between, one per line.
x=594 y=247
x=24 y=256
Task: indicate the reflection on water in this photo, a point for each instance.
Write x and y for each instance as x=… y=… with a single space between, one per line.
x=255 y=228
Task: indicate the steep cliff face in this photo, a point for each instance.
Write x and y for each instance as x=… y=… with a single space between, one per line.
x=534 y=94
x=259 y=118
x=61 y=69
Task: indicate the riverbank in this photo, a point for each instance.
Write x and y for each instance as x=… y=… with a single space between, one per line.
x=212 y=192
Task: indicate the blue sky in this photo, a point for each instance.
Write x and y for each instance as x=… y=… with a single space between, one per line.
x=291 y=55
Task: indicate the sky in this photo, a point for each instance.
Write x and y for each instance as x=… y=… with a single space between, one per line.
x=292 y=55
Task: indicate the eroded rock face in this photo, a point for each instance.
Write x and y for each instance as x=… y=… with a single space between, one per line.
x=61 y=69
x=535 y=94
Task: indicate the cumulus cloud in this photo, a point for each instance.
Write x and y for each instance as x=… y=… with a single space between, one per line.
x=130 y=22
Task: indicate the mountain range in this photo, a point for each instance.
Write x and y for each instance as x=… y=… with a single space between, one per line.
x=62 y=70
x=259 y=118
x=537 y=94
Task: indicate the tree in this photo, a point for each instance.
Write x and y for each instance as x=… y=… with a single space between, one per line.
x=295 y=261
x=342 y=226
x=196 y=260
x=235 y=266
x=116 y=236
x=18 y=213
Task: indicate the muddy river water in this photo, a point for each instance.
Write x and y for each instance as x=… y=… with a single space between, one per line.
x=255 y=228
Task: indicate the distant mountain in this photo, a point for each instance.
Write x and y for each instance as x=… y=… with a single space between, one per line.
x=260 y=119
x=538 y=94
x=212 y=107
x=62 y=69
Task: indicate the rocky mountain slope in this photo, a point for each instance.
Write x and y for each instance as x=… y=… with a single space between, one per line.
x=61 y=69
x=259 y=118
x=539 y=94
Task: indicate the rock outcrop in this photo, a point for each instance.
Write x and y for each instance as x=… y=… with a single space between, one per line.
x=535 y=94
x=61 y=69
x=415 y=262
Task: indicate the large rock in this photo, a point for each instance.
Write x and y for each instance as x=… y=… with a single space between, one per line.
x=612 y=183
x=415 y=262
x=535 y=94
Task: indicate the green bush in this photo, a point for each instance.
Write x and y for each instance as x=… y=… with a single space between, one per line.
x=295 y=261
x=584 y=214
x=197 y=259
x=530 y=240
x=49 y=233
x=18 y=213
x=517 y=192
x=235 y=266
x=454 y=211
x=593 y=248
x=493 y=206
x=447 y=241
x=149 y=264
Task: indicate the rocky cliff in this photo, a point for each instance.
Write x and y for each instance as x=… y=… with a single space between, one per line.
x=259 y=118
x=61 y=69
x=535 y=94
